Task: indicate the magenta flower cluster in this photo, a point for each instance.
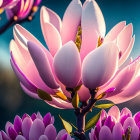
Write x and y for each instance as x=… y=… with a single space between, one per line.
x=116 y=125
x=35 y=127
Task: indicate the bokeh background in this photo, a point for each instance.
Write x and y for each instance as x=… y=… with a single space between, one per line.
x=12 y=99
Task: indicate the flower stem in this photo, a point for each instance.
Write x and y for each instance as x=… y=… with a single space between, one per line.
x=81 y=114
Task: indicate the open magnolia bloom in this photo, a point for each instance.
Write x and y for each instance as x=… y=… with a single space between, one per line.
x=116 y=125
x=19 y=9
x=35 y=127
x=80 y=57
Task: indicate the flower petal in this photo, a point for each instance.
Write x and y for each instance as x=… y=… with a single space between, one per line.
x=61 y=134
x=114 y=32
x=117 y=131
x=17 y=124
x=129 y=122
x=105 y=133
x=100 y=65
x=50 y=33
x=126 y=111
x=84 y=93
x=19 y=137
x=43 y=137
x=26 y=125
x=127 y=52
x=49 y=16
x=126 y=75
x=42 y=63
x=47 y=119
x=36 y=130
x=50 y=132
x=67 y=65
x=137 y=117
x=124 y=38
x=131 y=91
x=71 y=21
x=93 y=26
x=115 y=112
x=135 y=133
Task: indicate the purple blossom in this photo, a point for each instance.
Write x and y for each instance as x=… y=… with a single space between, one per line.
x=116 y=125
x=35 y=127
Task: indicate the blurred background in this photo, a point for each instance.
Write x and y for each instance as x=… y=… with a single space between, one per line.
x=12 y=99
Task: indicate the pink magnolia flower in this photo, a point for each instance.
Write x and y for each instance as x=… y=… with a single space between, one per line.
x=33 y=128
x=8 y=3
x=19 y=8
x=96 y=66
x=116 y=125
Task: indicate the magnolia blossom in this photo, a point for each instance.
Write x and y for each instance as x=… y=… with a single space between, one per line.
x=33 y=128
x=19 y=9
x=79 y=54
x=116 y=125
x=8 y=3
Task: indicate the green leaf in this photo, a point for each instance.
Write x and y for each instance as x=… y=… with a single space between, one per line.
x=67 y=125
x=75 y=100
x=74 y=126
x=92 y=122
x=104 y=106
x=44 y=95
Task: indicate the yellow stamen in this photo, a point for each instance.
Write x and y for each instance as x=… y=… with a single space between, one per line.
x=78 y=40
x=34 y=9
x=100 y=41
x=15 y=18
x=128 y=133
x=61 y=95
x=1 y=10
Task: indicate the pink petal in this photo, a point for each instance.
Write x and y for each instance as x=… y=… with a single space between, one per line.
x=26 y=125
x=50 y=132
x=22 y=36
x=126 y=75
x=124 y=38
x=127 y=52
x=43 y=137
x=135 y=133
x=117 y=131
x=43 y=66
x=28 y=92
x=129 y=122
x=126 y=111
x=93 y=26
x=36 y=130
x=114 y=32
x=129 y=93
x=49 y=16
x=115 y=112
x=50 y=32
x=71 y=21
x=61 y=134
x=67 y=65
x=100 y=65
x=105 y=133
x=84 y=94
x=19 y=137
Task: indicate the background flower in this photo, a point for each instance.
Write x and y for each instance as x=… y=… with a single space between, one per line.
x=35 y=127
x=116 y=125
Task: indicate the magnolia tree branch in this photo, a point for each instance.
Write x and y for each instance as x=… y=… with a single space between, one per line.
x=81 y=113
x=12 y=21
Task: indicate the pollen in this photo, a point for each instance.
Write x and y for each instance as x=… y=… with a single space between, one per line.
x=100 y=41
x=1 y=10
x=78 y=39
x=15 y=18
